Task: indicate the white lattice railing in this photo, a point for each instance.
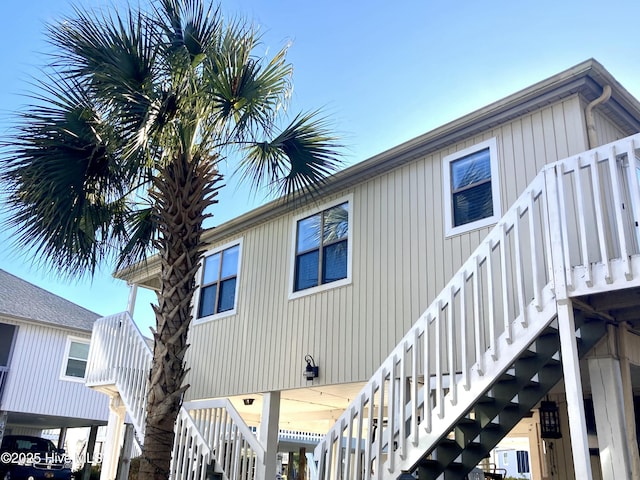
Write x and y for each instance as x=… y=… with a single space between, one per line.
x=575 y=221
x=234 y=444
x=120 y=358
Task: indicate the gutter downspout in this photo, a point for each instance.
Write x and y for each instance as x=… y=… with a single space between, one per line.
x=592 y=134
x=131 y=303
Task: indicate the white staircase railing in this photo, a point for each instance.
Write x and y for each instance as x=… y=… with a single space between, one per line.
x=120 y=361
x=577 y=220
x=120 y=357
x=235 y=446
x=495 y=306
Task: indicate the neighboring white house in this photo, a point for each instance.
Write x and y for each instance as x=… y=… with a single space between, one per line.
x=44 y=345
x=481 y=279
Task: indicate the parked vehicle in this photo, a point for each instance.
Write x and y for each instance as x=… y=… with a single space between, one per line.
x=24 y=457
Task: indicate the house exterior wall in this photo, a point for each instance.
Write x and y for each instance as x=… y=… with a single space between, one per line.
x=401 y=259
x=34 y=383
x=607 y=130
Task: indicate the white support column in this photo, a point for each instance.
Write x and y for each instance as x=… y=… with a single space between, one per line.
x=573 y=387
x=268 y=435
x=124 y=462
x=626 y=346
x=131 y=303
x=608 y=405
x=115 y=425
x=567 y=330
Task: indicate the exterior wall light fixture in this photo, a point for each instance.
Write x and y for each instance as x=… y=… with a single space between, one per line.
x=311 y=370
x=247 y=401
x=549 y=420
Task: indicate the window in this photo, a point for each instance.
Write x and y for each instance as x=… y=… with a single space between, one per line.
x=75 y=362
x=522 y=456
x=472 y=196
x=219 y=282
x=322 y=248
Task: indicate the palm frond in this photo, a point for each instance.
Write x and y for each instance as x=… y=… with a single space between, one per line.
x=62 y=179
x=192 y=26
x=140 y=234
x=116 y=59
x=247 y=91
x=298 y=160
x=129 y=94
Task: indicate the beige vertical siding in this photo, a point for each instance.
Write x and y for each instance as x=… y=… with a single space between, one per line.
x=607 y=130
x=401 y=260
x=34 y=385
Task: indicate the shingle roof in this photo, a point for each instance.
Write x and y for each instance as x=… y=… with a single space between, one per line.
x=19 y=298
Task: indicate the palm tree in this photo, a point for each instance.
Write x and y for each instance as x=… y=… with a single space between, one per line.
x=119 y=156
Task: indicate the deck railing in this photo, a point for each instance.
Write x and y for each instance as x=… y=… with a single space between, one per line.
x=574 y=230
x=120 y=360
x=235 y=446
x=577 y=221
x=120 y=356
x=599 y=210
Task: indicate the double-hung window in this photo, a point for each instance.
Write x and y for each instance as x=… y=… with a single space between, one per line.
x=75 y=360
x=219 y=282
x=322 y=248
x=472 y=194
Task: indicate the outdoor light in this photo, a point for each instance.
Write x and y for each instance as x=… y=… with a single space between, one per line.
x=247 y=401
x=549 y=420
x=311 y=370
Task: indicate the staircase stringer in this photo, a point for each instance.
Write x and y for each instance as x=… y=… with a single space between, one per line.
x=489 y=312
x=523 y=337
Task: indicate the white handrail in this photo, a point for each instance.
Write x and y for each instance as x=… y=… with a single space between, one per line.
x=493 y=308
x=498 y=302
x=233 y=443
x=119 y=356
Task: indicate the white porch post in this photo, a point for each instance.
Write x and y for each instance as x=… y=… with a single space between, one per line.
x=629 y=345
x=268 y=435
x=124 y=462
x=567 y=331
x=573 y=387
x=117 y=413
x=608 y=405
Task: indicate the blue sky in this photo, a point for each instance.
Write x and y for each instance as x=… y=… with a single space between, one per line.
x=383 y=72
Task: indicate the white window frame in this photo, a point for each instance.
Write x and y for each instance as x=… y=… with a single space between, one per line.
x=449 y=228
x=196 y=304
x=65 y=359
x=293 y=294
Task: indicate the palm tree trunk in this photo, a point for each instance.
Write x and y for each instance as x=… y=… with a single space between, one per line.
x=182 y=192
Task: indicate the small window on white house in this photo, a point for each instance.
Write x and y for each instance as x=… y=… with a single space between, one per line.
x=219 y=282
x=471 y=186
x=75 y=360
